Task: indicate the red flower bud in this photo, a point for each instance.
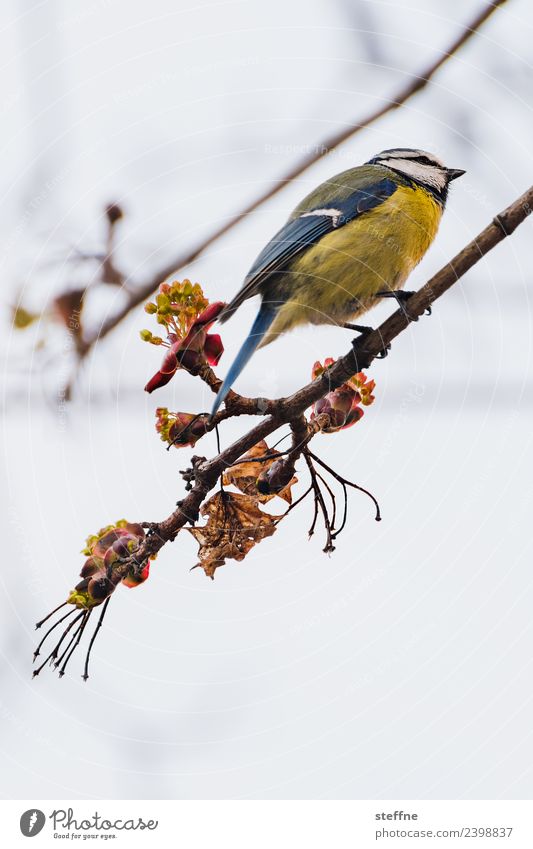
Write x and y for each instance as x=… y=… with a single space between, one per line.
x=180 y=429
x=191 y=351
x=213 y=348
x=133 y=579
x=102 y=570
x=342 y=405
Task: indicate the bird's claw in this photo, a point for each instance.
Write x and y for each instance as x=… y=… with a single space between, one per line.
x=384 y=352
x=364 y=331
x=400 y=296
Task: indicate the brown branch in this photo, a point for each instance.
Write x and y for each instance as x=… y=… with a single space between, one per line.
x=364 y=351
x=417 y=83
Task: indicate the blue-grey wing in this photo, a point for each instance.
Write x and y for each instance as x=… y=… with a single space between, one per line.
x=304 y=231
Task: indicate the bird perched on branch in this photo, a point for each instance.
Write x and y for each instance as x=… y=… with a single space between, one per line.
x=356 y=237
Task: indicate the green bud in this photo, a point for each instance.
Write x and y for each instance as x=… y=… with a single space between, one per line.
x=150 y=308
x=145 y=335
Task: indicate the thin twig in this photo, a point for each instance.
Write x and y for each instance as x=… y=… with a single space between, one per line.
x=344 y=512
x=74 y=641
x=42 y=621
x=311 y=530
x=37 y=651
x=294 y=504
x=55 y=651
x=333 y=500
x=76 y=644
x=346 y=482
x=319 y=502
x=93 y=638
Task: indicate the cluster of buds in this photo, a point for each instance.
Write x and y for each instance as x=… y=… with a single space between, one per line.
x=186 y=315
x=344 y=405
x=106 y=550
x=180 y=429
x=111 y=560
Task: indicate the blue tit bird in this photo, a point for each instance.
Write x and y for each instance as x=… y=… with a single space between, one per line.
x=356 y=237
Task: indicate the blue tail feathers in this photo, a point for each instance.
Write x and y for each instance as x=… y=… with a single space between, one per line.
x=264 y=319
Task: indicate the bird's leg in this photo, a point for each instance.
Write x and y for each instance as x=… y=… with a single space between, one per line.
x=401 y=296
x=363 y=330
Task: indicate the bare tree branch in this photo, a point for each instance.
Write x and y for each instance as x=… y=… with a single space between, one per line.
x=235 y=522
x=416 y=84
x=290 y=410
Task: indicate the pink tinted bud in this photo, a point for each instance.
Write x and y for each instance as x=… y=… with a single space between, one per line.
x=190 y=360
x=210 y=314
x=342 y=399
x=105 y=541
x=111 y=557
x=135 y=529
x=213 y=348
x=159 y=379
x=133 y=579
x=91 y=566
x=124 y=546
x=170 y=361
x=100 y=587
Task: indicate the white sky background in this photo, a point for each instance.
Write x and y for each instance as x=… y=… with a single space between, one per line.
x=398 y=667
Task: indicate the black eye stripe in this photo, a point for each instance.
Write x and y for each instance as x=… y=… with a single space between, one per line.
x=423 y=160
x=407 y=156
x=420 y=159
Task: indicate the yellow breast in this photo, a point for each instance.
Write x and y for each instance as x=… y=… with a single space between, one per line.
x=336 y=279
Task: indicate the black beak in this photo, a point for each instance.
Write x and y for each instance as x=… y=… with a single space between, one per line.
x=453 y=173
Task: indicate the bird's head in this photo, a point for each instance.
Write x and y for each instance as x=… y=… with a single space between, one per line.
x=420 y=166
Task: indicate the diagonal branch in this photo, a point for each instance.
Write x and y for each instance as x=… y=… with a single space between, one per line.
x=364 y=351
x=417 y=83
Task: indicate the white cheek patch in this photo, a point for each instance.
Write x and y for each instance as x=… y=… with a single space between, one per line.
x=334 y=214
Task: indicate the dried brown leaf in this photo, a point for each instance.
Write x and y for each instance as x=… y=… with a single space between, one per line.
x=234 y=525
